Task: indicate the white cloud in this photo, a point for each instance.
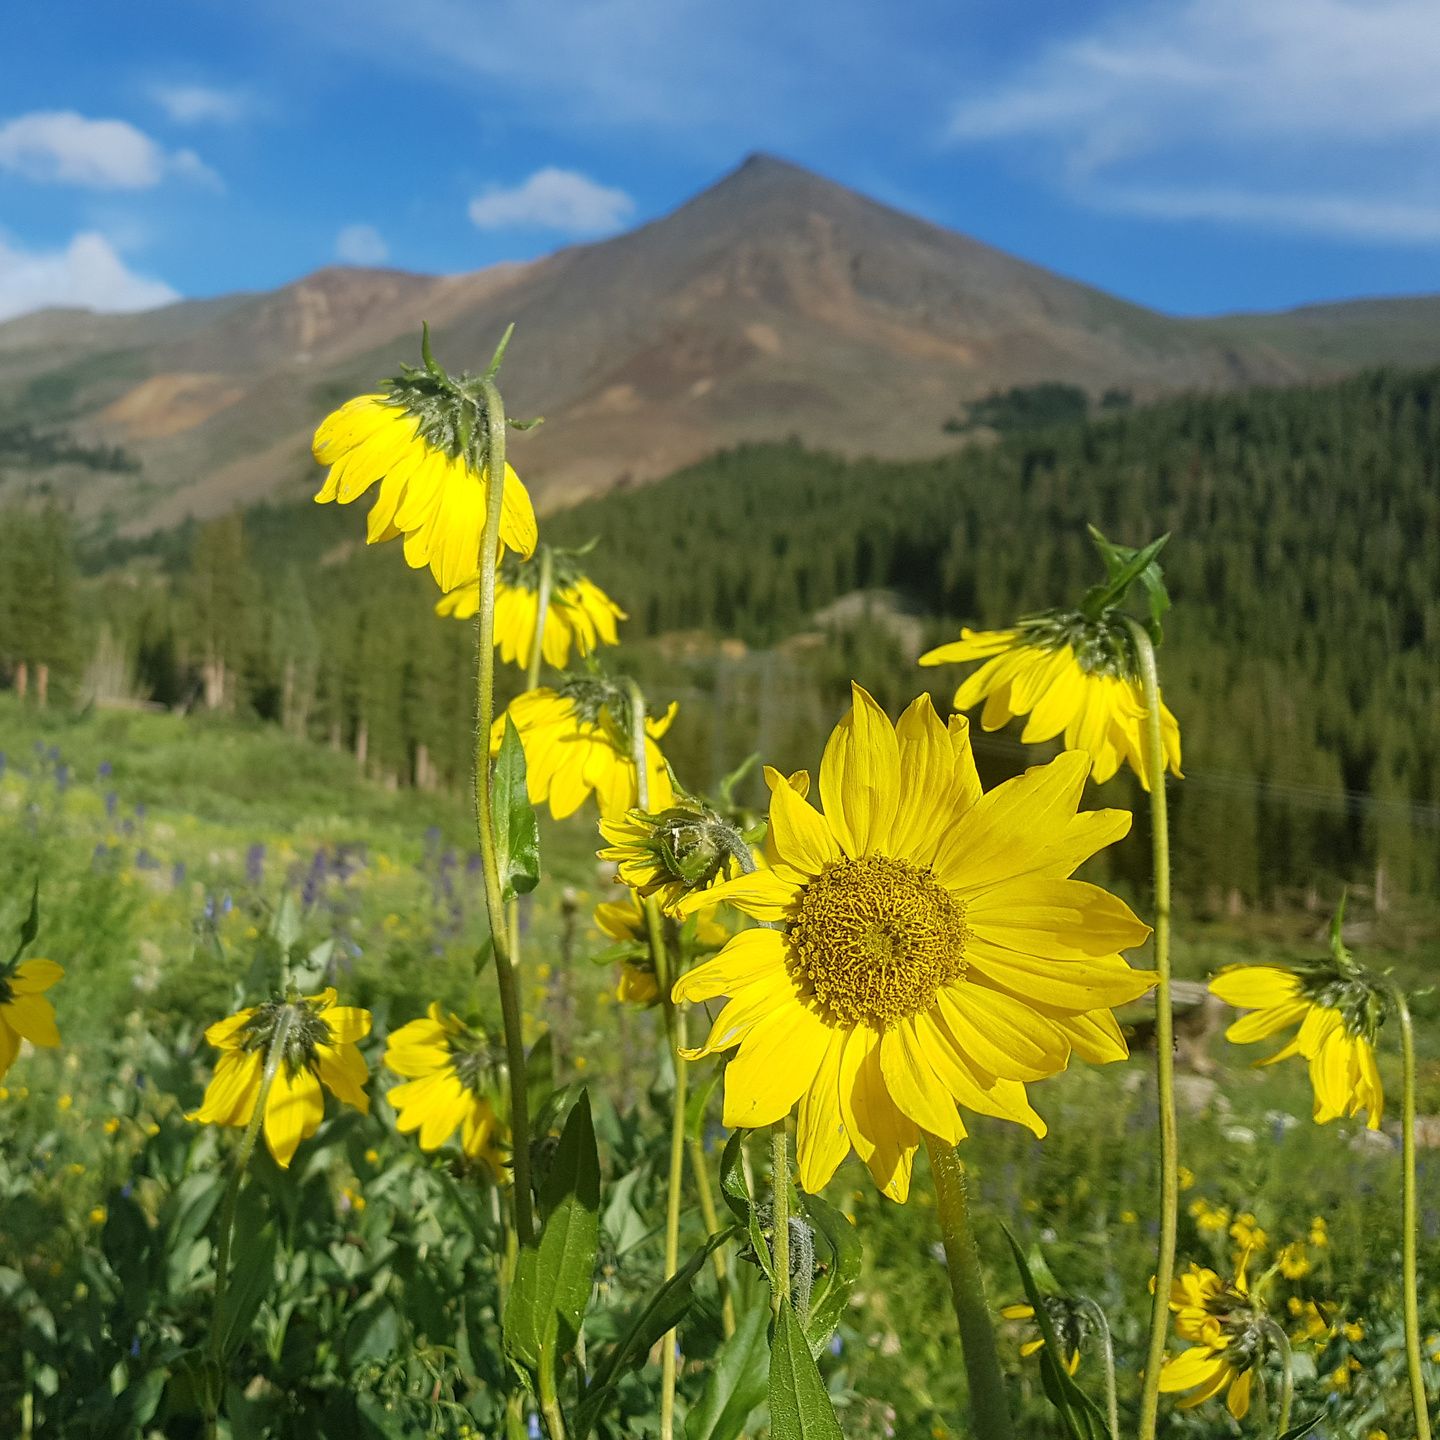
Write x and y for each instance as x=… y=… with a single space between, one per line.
x=1318 y=115
x=195 y=104
x=554 y=199
x=62 y=147
x=361 y=245
x=87 y=273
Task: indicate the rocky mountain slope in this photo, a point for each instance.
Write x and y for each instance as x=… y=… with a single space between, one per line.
x=776 y=303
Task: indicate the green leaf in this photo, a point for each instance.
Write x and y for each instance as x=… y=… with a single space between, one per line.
x=553 y=1277
x=517 y=832
x=1296 y=1431
x=622 y=950
x=800 y=1406
x=737 y=1197
x=739 y=1382
x=665 y=1309
x=1081 y=1416
x=837 y=1272
x=285 y=923
x=252 y=1275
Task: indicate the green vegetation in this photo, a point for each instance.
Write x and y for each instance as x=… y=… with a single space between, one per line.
x=167 y=849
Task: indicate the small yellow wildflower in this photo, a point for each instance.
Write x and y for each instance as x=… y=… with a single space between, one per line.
x=1186 y=1177
x=64 y=1103
x=97 y=1215
x=1294 y=1263
x=1354 y=1332
x=75 y=1169
x=1247 y=1234
x=1128 y=1217
x=372 y=1157
x=1319 y=1234
x=112 y=1125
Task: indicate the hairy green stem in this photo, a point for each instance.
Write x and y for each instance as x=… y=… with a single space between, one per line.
x=1164 y=1033
x=675 y=1024
x=485 y=820
x=231 y=1202
x=780 y=1184
x=989 y=1405
x=1107 y=1351
x=537 y=650
x=1407 y=1144
x=1281 y=1342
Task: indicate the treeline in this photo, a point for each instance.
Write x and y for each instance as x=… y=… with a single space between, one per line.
x=1303 y=654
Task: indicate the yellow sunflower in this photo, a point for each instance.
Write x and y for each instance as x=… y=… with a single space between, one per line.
x=582 y=615
x=1226 y=1328
x=25 y=1013
x=1342 y=1061
x=436 y=500
x=319 y=1046
x=933 y=950
x=448 y=1066
x=573 y=746
x=1100 y=708
x=624 y=920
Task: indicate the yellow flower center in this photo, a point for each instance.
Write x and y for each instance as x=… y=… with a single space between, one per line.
x=876 y=938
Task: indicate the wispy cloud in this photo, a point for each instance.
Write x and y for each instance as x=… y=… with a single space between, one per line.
x=199 y=104
x=552 y=199
x=1317 y=115
x=87 y=273
x=62 y=147
x=361 y=245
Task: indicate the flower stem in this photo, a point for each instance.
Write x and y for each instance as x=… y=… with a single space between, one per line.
x=232 y=1199
x=712 y=1227
x=989 y=1405
x=1281 y=1342
x=1407 y=1144
x=780 y=1184
x=1164 y=1033
x=1107 y=1349
x=675 y=1025
x=537 y=651
x=485 y=820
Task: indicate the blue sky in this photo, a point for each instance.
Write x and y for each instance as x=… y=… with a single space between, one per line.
x=1194 y=155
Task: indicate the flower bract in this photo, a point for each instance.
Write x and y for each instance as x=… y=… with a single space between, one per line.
x=670 y=855
x=449 y=1069
x=1342 y=1058
x=573 y=748
x=319 y=1047
x=933 y=949
x=1086 y=691
x=435 y=500
x=580 y=615
x=25 y=1013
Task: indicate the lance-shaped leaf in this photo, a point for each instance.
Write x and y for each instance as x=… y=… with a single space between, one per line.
x=737 y=1384
x=31 y=928
x=737 y=1197
x=1296 y=1431
x=800 y=1407
x=665 y=1309
x=517 y=832
x=553 y=1276
x=1081 y=1416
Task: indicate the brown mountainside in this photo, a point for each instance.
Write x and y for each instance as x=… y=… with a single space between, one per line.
x=775 y=303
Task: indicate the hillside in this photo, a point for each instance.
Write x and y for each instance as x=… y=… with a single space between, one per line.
x=775 y=304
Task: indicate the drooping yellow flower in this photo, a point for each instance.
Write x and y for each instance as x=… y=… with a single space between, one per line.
x=1342 y=1060
x=1067 y=1320
x=573 y=746
x=1099 y=707
x=582 y=615
x=1226 y=1328
x=25 y=1013
x=449 y=1067
x=624 y=920
x=435 y=499
x=933 y=950
x=319 y=1046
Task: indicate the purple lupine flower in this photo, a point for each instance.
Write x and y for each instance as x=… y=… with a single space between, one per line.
x=315 y=879
x=111 y=801
x=836 y=1344
x=62 y=778
x=146 y=861
x=177 y=877
x=2 y=764
x=105 y=770
x=140 y=812
x=55 y=753
x=255 y=864
x=227 y=904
